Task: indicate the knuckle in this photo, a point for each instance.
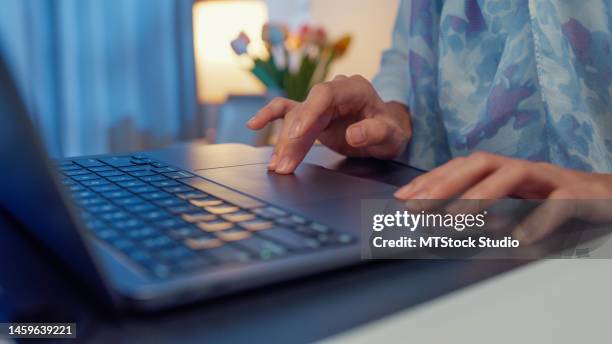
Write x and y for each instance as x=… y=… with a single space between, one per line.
x=321 y=89
x=277 y=103
x=358 y=78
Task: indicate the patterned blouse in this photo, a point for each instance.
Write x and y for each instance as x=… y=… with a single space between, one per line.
x=530 y=79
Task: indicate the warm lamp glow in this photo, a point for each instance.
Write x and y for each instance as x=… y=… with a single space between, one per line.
x=219 y=70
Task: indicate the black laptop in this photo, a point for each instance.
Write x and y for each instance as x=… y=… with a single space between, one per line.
x=160 y=229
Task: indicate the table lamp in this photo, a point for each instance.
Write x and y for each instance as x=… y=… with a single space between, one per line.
x=219 y=71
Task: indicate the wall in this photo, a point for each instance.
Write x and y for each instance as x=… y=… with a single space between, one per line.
x=369 y=21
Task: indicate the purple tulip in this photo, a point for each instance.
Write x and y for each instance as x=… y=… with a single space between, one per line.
x=240 y=44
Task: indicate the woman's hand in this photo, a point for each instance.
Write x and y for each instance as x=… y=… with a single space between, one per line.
x=484 y=176
x=345 y=114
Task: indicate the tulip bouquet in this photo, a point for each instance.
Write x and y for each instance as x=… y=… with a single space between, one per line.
x=294 y=61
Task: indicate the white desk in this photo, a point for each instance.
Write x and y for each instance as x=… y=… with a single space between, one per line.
x=551 y=301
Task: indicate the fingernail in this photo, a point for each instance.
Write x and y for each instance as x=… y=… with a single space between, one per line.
x=283 y=166
x=272 y=163
x=405 y=191
x=422 y=194
x=356 y=134
x=251 y=120
x=295 y=130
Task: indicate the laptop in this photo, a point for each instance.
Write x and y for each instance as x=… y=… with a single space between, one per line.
x=147 y=231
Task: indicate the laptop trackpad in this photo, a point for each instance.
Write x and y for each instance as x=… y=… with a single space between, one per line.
x=314 y=191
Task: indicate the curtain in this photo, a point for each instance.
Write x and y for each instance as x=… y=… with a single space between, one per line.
x=103 y=76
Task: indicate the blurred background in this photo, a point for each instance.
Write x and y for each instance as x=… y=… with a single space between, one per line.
x=102 y=76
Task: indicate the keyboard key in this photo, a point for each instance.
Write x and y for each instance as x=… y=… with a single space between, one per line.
x=102 y=208
x=131 y=184
x=116 y=194
x=184 y=209
x=240 y=216
x=97 y=182
x=333 y=239
x=110 y=173
x=121 y=244
x=191 y=195
x=154 y=178
x=298 y=219
x=155 y=195
x=222 y=192
x=67 y=182
x=319 y=227
x=222 y=209
x=270 y=212
x=215 y=225
x=142 y=173
x=128 y=223
x=76 y=172
x=206 y=202
x=256 y=225
x=107 y=234
x=261 y=248
x=157 y=242
x=169 y=202
x=140 y=207
x=199 y=217
x=185 y=232
x=142 y=189
x=306 y=230
x=88 y=162
x=286 y=221
x=178 y=175
x=140 y=256
x=118 y=179
x=60 y=163
x=165 y=183
x=95 y=225
x=115 y=216
x=75 y=188
x=117 y=161
x=165 y=169
x=141 y=161
x=134 y=168
x=101 y=168
x=203 y=243
x=127 y=201
x=90 y=201
x=176 y=253
x=83 y=194
x=290 y=239
x=234 y=234
x=169 y=223
x=344 y=238
x=227 y=254
x=177 y=189
x=141 y=232
x=84 y=177
x=154 y=215
x=68 y=168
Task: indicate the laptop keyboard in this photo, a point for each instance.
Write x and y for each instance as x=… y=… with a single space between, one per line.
x=168 y=221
